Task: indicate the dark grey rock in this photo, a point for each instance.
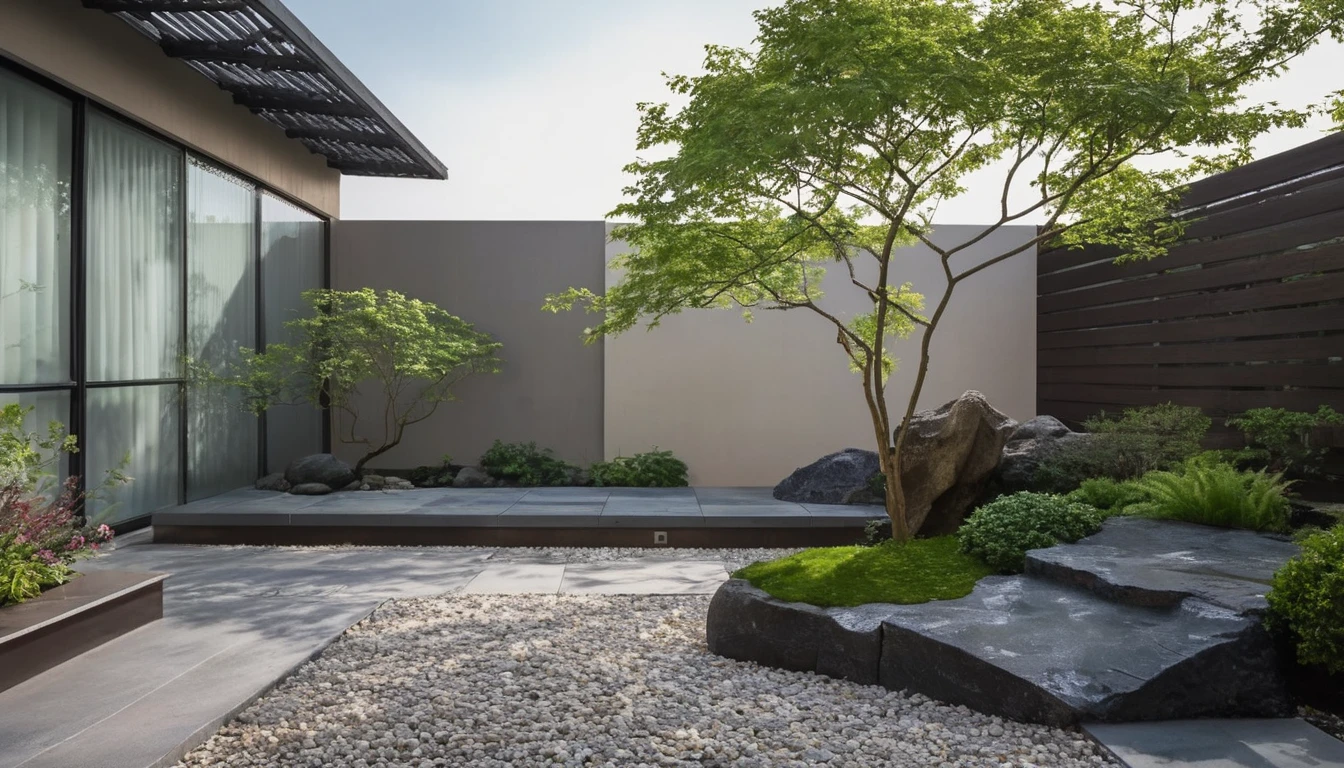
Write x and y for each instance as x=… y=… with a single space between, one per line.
x=747 y=624
x=1031 y=444
x=320 y=468
x=374 y=482
x=1158 y=562
x=838 y=478
x=310 y=489
x=472 y=477
x=273 y=482
x=1033 y=650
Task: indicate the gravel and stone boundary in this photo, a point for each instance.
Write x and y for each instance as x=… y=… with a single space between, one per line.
x=488 y=680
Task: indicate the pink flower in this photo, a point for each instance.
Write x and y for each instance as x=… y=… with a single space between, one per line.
x=105 y=533
x=76 y=542
x=48 y=557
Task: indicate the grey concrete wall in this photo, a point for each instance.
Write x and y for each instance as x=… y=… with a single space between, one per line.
x=493 y=274
x=746 y=403
x=101 y=56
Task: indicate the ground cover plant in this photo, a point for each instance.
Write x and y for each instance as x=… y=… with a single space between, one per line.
x=413 y=351
x=42 y=531
x=1307 y=600
x=1001 y=532
x=834 y=139
x=652 y=469
x=898 y=572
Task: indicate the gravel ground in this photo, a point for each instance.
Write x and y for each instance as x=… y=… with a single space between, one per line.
x=493 y=680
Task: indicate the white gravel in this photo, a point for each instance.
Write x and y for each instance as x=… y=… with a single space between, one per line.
x=493 y=680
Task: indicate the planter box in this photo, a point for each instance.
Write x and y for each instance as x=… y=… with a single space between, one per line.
x=73 y=618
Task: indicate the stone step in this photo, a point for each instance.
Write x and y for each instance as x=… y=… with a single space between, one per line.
x=1160 y=563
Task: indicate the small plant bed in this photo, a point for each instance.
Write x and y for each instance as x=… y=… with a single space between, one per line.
x=902 y=573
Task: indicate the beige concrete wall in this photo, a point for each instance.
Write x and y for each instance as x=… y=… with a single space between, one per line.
x=745 y=404
x=493 y=274
x=102 y=57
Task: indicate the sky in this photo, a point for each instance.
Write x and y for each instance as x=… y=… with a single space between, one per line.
x=531 y=103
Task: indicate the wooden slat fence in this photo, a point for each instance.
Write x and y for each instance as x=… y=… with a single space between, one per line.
x=1247 y=311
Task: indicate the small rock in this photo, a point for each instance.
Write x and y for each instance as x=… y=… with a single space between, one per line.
x=472 y=477
x=273 y=482
x=310 y=489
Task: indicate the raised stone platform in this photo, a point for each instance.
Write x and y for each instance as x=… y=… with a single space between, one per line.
x=529 y=517
x=1147 y=620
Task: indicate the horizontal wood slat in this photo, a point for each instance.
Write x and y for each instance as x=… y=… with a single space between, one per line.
x=1312 y=290
x=1273 y=322
x=1267 y=375
x=1269 y=350
x=1329 y=258
x=1277 y=240
x=1064 y=258
x=1268 y=171
x=1214 y=402
x=1321 y=198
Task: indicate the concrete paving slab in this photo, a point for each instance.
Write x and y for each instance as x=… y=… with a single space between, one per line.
x=1289 y=743
x=517 y=578
x=669 y=577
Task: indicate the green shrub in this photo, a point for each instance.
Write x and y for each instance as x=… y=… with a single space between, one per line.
x=1129 y=445
x=1218 y=494
x=1109 y=496
x=23 y=574
x=653 y=469
x=1307 y=600
x=1002 y=531
x=1279 y=440
x=525 y=464
x=892 y=572
x=876 y=531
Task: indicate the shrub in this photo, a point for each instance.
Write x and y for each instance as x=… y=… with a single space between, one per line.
x=525 y=464
x=1122 y=447
x=1279 y=440
x=1109 y=496
x=1217 y=494
x=875 y=532
x=1307 y=600
x=1002 y=531
x=653 y=469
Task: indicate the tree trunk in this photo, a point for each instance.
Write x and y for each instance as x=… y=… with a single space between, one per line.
x=891 y=470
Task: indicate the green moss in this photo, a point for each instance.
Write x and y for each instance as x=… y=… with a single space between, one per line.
x=914 y=572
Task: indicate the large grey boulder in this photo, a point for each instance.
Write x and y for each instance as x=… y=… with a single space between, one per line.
x=1033 y=443
x=320 y=468
x=948 y=456
x=837 y=478
x=472 y=477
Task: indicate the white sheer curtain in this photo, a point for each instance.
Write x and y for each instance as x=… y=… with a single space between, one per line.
x=221 y=317
x=134 y=327
x=293 y=244
x=35 y=151
x=134 y=254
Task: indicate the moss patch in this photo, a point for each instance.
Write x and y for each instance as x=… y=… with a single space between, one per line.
x=914 y=572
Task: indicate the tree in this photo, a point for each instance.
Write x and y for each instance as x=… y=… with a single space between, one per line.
x=834 y=139
x=414 y=351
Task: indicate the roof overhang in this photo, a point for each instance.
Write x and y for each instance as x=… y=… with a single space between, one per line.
x=262 y=54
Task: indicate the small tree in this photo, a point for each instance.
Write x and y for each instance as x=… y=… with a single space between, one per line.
x=414 y=351
x=834 y=140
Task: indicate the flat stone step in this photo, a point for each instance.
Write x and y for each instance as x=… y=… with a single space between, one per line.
x=1160 y=563
x=1290 y=743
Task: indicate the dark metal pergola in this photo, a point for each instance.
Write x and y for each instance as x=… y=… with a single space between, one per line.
x=262 y=54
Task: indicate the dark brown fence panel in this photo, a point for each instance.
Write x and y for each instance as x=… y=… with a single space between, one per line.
x=1247 y=311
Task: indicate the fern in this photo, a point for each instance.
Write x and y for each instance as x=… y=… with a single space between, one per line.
x=1218 y=495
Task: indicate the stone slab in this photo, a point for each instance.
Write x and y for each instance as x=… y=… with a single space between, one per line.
x=1156 y=562
x=1287 y=743
x=668 y=577
x=517 y=578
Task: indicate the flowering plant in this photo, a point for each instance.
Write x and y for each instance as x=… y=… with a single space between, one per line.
x=42 y=530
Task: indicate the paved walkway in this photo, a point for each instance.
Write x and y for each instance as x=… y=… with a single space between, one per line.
x=238 y=619
x=1290 y=743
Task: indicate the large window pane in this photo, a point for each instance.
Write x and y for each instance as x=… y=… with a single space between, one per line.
x=139 y=425
x=221 y=318
x=35 y=150
x=134 y=254
x=47 y=406
x=293 y=244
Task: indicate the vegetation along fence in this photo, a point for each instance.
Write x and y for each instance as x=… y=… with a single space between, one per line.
x=1246 y=312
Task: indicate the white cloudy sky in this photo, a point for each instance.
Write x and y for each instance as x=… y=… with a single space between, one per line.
x=531 y=103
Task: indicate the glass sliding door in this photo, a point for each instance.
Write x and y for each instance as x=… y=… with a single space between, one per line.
x=222 y=438
x=293 y=250
x=134 y=324
x=36 y=156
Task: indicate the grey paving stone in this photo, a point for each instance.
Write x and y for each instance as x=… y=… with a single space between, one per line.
x=517 y=578
x=1289 y=743
x=670 y=577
